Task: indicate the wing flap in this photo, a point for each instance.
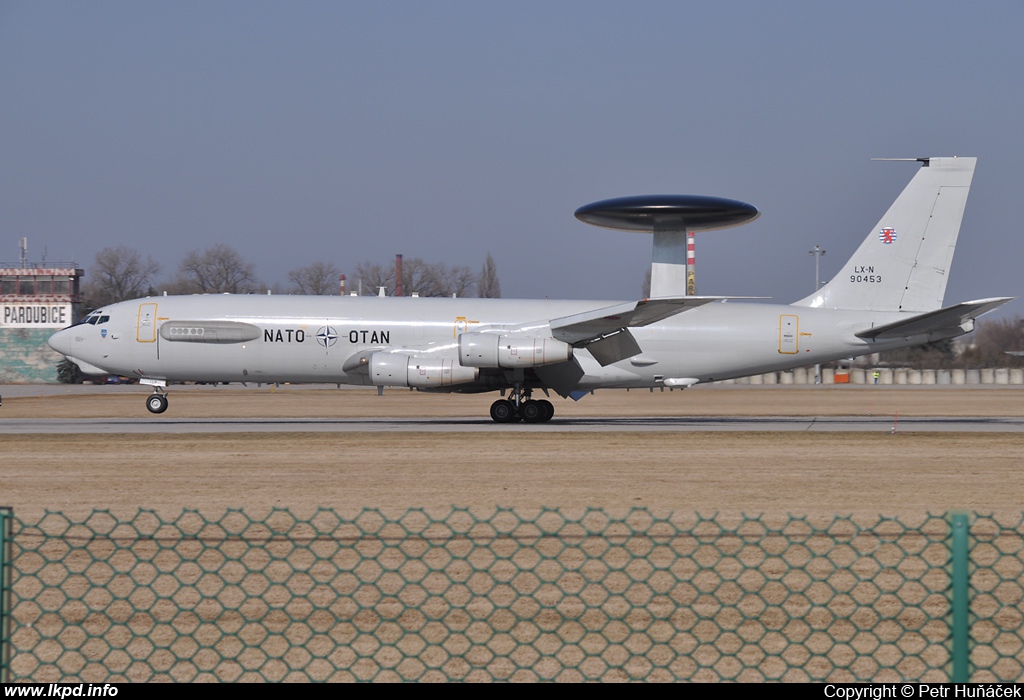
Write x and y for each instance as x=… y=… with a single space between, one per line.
x=947 y=319
x=613 y=347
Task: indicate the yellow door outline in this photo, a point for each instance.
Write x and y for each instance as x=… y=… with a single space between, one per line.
x=145 y=328
x=789 y=334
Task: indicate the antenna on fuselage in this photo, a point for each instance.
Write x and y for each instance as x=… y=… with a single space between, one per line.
x=674 y=219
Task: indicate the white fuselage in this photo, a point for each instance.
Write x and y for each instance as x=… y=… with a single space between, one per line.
x=310 y=339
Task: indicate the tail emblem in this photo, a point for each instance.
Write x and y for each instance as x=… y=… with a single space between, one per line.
x=887 y=235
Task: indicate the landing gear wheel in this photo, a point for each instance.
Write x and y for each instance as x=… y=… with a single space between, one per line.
x=156 y=403
x=503 y=411
x=548 y=410
x=532 y=412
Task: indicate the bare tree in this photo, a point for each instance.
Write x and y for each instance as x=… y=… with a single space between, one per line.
x=993 y=340
x=319 y=278
x=373 y=276
x=462 y=281
x=418 y=277
x=440 y=280
x=119 y=273
x=936 y=355
x=488 y=286
x=216 y=270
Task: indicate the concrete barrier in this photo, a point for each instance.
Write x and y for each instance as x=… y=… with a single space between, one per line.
x=1000 y=376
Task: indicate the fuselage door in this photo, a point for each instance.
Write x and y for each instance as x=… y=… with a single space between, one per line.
x=789 y=327
x=145 y=330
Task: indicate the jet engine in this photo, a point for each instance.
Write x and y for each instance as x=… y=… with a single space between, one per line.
x=492 y=350
x=425 y=372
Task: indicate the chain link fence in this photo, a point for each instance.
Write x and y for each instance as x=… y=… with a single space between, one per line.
x=507 y=595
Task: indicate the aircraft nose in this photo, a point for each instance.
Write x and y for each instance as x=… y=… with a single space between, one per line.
x=61 y=341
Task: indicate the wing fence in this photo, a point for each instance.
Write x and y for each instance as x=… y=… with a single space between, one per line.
x=509 y=595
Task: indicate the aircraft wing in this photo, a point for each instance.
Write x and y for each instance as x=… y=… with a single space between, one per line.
x=605 y=332
x=949 y=318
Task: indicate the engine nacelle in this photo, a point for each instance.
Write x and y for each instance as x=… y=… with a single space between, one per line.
x=425 y=372
x=492 y=350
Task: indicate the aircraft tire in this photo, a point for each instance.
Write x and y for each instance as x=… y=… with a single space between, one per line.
x=532 y=412
x=548 y=410
x=503 y=411
x=156 y=403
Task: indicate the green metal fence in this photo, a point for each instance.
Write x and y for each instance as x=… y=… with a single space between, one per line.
x=550 y=594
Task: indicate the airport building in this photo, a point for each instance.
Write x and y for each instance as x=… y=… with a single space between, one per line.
x=36 y=299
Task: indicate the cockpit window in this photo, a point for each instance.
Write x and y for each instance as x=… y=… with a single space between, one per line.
x=96 y=318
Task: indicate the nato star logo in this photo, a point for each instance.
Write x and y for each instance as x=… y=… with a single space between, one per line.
x=326 y=336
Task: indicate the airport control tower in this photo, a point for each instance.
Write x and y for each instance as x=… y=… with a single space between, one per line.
x=36 y=299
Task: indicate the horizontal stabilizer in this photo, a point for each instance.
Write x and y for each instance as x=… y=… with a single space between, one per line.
x=949 y=318
x=600 y=323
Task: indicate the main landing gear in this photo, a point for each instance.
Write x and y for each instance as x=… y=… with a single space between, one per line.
x=521 y=407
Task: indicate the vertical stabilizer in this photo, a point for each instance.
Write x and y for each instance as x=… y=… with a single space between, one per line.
x=903 y=264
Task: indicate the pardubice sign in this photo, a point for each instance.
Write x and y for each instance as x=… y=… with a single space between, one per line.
x=35 y=315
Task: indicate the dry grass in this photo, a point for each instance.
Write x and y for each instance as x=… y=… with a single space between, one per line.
x=751 y=472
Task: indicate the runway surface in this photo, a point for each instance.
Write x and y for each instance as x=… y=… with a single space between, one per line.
x=162 y=425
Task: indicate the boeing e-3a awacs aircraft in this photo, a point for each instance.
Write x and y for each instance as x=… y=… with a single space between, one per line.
x=888 y=295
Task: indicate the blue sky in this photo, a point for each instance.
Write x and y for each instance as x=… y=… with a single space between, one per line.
x=347 y=132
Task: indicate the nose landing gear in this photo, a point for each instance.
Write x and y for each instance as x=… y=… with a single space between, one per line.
x=156 y=403
x=521 y=407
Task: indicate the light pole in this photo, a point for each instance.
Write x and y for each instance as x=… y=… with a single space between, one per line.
x=817 y=253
